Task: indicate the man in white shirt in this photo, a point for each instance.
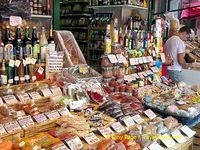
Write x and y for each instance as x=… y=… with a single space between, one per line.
x=175 y=48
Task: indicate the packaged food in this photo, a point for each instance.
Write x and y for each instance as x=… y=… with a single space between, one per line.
x=6 y=145
x=107 y=72
x=105 y=62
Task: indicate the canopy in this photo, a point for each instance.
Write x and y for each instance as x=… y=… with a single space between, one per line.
x=191 y=10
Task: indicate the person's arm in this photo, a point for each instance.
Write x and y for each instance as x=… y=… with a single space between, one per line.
x=182 y=62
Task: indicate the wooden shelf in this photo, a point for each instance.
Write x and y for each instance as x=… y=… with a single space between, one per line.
x=119 y=6
x=41 y=16
x=76 y=15
x=74 y=1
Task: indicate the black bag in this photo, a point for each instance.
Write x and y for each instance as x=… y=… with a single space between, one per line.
x=14 y=8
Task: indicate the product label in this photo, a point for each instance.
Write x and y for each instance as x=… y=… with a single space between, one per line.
x=106 y=132
x=150 y=114
x=29 y=50
x=167 y=140
x=28 y=60
x=35 y=95
x=10 y=99
x=27 y=77
x=178 y=136
x=76 y=104
x=2 y=130
x=75 y=143
x=40 y=70
x=128 y=121
x=60 y=146
x=117 y=126
x=137 y=118
x=133 y=61
x=10 y=81
x=63 y=111
x=115 y=37
x=155 y=146
x=33 y=78
x=52 y=115
x=40 y=118
x=12 y=126
x=121 y=58
x=22 y=79
x=56 y=90
x=16 y=78
x=17 y=63
x=4 y=79
x=112 y=58
x=46 y=92
x=91 y=138
x=51 y=47
x=36 y=50
x=26 y=122
x=23 y=97
x=33 y=61
x=8 y=51
x=108 y=45
x=11 y=63
x=186 y=130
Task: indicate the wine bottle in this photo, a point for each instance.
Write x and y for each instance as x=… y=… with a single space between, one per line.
x=8 y=44
x=3 y=73
x=26 y=67
x=51 y=42
x=1 y=48
x=43 y=46
x=39 y=73
x=21 y=68
x=18 y=42
x=107 y=40
x=115 y=31
x=15 y=71
x=27 y=43
x=35 y=43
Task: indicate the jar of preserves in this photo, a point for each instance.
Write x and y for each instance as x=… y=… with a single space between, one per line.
x=105 y=62
x=107 y=72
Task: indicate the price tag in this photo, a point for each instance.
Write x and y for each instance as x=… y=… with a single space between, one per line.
x=60 y=146
x=28 y=60
x=15 y=21
x=145 y=60
x=128 y=78
x=33 y=61
x=56 y=90
x=23 y=97
x=52 y=115
x=137 y=118
x=178 y=136
x=186 y=130
x=117 y=127
x=26 y=122
x=150 y=58
x=20 y=113
x=112 y=58
x=91 y=138
x=76 y=104
x=162 y=55
x=17 y=63
x=167 y=140
x=75 y=143
x=11 y=63
x=149 y=72
x=155 y=146
x=145 y=148
x=121 y=58
x=2 y=130
x=35 y=95
x=155 y=69
x=140 y=74
x=12 y=126
x=128 y=121
x=40 y=118
x=63 y=111
x=24 y=62
x=181 y=102
x=150 y=114
x=1 y=101
x=136 y=75
x=133 y=61
x=106 y=132
x=46 y=92
x=10 y=99
x=40 y=70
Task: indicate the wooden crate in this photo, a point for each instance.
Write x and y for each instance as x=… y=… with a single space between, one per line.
x=196 y=143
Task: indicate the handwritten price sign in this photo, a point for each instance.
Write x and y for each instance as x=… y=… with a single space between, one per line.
x=15 y=21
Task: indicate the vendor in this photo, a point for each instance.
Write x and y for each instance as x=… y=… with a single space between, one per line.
x=175 y=48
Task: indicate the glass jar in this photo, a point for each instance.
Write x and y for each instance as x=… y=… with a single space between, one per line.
x=107 y=72
x=105 y=62
x=116 y=70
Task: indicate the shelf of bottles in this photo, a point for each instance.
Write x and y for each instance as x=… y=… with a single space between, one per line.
x=23 y=56
x=131 y=55
x=40 y=8
x=75 y=17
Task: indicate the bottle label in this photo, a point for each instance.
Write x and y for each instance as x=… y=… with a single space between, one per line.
x=11 y=63
x=40 y=70
x=22 y=79
x=16 y=78
x=43 y=52
x=51 y=47
x=29 y=50
x=10 y=81
x=17 y=63
x=107 y=45
x=115 y=37
x=36 y=51
x=126 y=42
x=129 y=44
x=4 y=79
x=1 y=53
x=8 y=51
x=33 y=78
x=27 y=77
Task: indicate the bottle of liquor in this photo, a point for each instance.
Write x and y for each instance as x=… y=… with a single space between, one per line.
x=35 y=43
x=129 y=39
x=48 y=7
x=18 y=42
x=100 y=3
x=8 y=44
x=27 y=43
x=10 y=68
x=107 y=40
x=21 y=68
x=3 y=73
x=1 y=48
x=39 y=73
x=15 y=71
x=115 y=31
x=126 y=38
x=26 y=67
x=43 y=45
x=51 y=42
x=121 y=37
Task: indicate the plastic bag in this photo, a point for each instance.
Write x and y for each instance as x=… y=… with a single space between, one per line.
x=15 y=8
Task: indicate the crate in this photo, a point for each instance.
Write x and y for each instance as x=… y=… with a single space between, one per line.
x=196 y=143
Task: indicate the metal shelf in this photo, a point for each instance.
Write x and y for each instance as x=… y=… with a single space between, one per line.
x=119 y=6
x=73 y=28
x=76 y=15
x=41 y=16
